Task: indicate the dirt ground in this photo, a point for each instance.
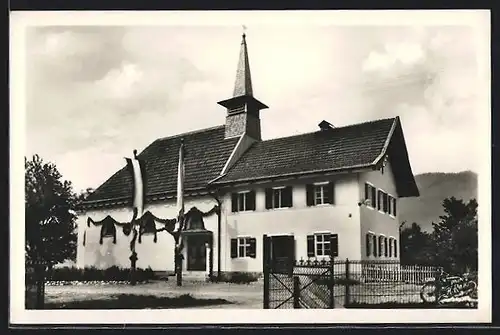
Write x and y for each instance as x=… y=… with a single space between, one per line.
x=246 y=296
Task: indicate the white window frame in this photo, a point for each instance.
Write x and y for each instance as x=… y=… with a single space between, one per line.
x=321 y=186
x=380 y=200
x=371 y=245
x=391 y=205
x=370 y=205
x=380 y=248
x=244 y=194
x=323 y=243
x=244 y=242
x=281 y=188
x=391 y=246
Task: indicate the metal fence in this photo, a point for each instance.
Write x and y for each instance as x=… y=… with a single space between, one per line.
x=34 y=285
x=343 y=283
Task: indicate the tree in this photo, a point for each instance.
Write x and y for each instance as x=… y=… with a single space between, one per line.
x=455 y=236
x=416 y=245
x=50 y=225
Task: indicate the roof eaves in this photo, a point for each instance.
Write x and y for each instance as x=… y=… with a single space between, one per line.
x=301 y=173
x=150 y=197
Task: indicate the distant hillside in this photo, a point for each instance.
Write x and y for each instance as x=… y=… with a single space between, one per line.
x=434 y=188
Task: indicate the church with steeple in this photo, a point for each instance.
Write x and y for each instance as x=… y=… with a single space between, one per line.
x=215 y=195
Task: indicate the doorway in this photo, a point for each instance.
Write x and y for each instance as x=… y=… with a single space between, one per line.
x=196 y=253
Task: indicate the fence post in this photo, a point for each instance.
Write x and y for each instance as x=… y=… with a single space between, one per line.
x=265 y=271
x=296 y=292
x=437 y=281
x=347 y=296
x=266 y=286
x=331 y=285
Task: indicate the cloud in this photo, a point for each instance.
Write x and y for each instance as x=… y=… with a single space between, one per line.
x=394 y=55
x=101 y=92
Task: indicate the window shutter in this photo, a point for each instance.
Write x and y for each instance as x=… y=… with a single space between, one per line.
x=395 y=248
x=380 y=246
x=394 y=206
x=310 y=246
x=251 y=200
x=386 y=203
x=385 y=247
x=374 y=197
x=287 y=196
x=334 y=245
x=310 y=194
x=234 y=202
x=368 y=240
x=379 y=200
x=390 y=247
x=234 y=248
x=330 y=191
x=252 y=249
x=269 y=198
x=374 y=241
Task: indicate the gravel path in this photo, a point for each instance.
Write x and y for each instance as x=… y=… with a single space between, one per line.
x=240 y=295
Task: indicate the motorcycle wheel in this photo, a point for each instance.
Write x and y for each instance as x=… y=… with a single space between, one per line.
x=428 y=292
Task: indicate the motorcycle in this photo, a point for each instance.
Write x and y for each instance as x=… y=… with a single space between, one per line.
x=448 y=287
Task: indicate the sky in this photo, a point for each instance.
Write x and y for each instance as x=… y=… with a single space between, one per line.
x=96 y=93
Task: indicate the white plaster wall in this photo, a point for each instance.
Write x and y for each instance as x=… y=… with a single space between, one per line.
x=341 y=218
x=373 y=220
x=159 y=256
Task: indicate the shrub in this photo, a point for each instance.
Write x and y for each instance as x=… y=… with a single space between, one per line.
x=237 y=277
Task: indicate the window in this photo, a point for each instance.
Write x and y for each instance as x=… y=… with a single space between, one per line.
x=279 y=197
x=368 y=245
x=395 y=248
x=385 y=247
x=322 y=244
x=380 y=245
x=243 y=247
x=371 y=195
x=393 y=206
x=380 y=199
x=320 y=193
x=390 y=246
x=243 y=201
x=385 y=200
x=371 y=242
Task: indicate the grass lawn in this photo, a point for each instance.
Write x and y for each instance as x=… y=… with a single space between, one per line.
x=158 y=294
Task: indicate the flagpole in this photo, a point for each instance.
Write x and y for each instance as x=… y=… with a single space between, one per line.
x=180 y=215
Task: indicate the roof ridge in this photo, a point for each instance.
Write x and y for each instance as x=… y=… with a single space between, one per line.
x=189 y=133
x=342 y=127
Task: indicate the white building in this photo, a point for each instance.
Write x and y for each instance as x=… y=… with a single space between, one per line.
x=343 y=181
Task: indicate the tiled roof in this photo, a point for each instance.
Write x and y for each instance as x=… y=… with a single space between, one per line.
x=333 y=149
x=206 y=153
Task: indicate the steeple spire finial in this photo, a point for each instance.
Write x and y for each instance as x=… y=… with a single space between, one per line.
x=243 y=83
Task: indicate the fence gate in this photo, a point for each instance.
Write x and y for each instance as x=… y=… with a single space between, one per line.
x=291 y=284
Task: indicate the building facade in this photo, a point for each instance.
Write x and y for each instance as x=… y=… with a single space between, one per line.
x=299 y=190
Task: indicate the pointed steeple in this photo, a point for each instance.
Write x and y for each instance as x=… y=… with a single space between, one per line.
x=243 y=84
x=243 y=110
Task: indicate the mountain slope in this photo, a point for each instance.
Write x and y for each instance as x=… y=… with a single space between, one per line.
x=434 y=188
